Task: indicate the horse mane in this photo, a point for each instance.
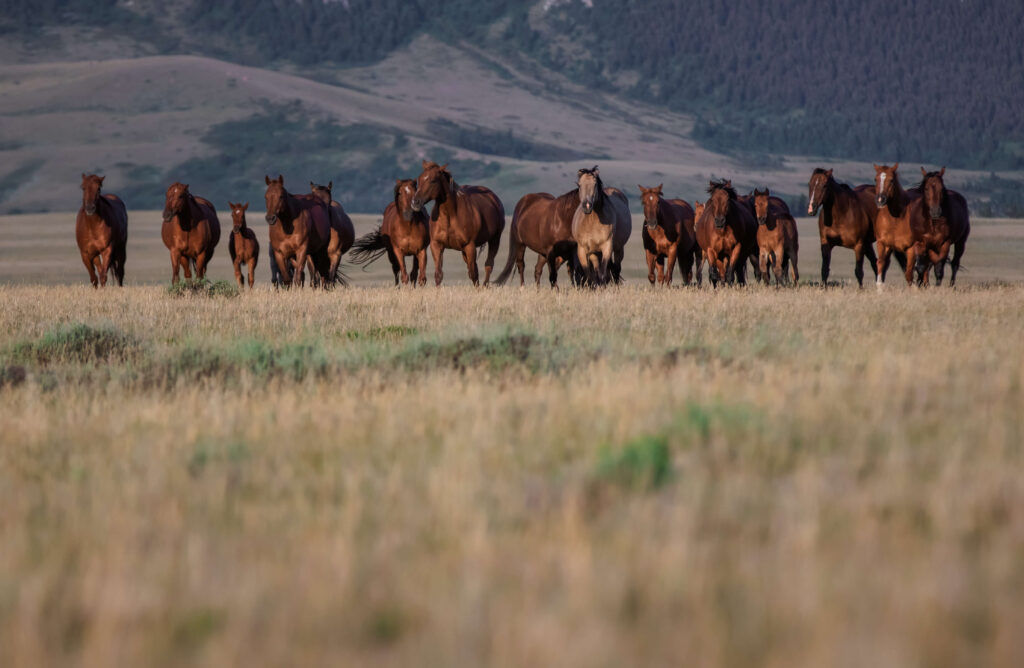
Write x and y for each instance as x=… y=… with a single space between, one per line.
x=566 y=205
x=924 y=179
x=721 y=184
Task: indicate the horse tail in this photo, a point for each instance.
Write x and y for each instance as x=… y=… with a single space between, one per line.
x=513 y=250
x=340 y=277
x=367 y=249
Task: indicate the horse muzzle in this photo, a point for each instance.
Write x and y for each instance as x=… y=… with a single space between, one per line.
x=417 y=205
x=935 y=212
x=271 y=218
x=719 y=222
x=168 y=216
x=588 y=207
x=881 y=201
x=407 y=215
x=651 y=224
x=90 y=210
x=762 y=220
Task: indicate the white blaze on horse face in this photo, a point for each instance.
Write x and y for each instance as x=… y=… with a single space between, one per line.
x=881 y=183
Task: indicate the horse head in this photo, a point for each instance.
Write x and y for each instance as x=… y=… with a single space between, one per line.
x=276 y=198
x=238 y=216
x=91 y=186
x=322 y=193
x=885 y=184
x=722 y=194
x=651 y=199
x=817 y=189
x=405 y=192
x=433 y=184
x=761 y=198
x=176 y=201
x=591 y=189
x=933 y=190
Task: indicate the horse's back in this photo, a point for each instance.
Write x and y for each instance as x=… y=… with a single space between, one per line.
x=210 y=213
x=489 y=208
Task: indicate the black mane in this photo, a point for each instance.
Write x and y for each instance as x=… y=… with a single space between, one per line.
x=722 y=184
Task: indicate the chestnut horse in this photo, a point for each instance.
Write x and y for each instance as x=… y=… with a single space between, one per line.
x=463 y=218
x=190 y=231
x=668 y=234
x=945 y=222
x=898 y=211
x=845 y=219
x=597 y=227
x=727 y=234
x=403 y=232
x=242 y=246
x=300 y=227
x=542 y=223
x=101 y=230
x=777 y=238
x=343 y=233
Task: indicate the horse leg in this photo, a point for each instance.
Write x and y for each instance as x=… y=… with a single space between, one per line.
x=954 y=264
x=238 y=271
x=251 y=265
x=939 y=259
x=421 y=260
x=685 y=266
x=908 y=272
x=436 y=250
x=670 y=265
x=651 y=261
x=858 y=267
x=736 y=268
x=779 y=266
x=87 y=261
x=584 y=260
x=493 y=244
x=826 y=262
x=469 y=255
x=520 y=264
x=698 y=258
x=201 y=265
x=539 y=269
x=555 y=261
x=764 y=261
x=284 y=269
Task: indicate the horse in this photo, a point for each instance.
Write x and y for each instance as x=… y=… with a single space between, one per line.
x=845 y=218
x=190 y=231
x=668 y=234
x=403 y=232
x=945 y=222
x=898 y=211
x=597 y=225
x=542 y=223
x=463 y=218
x=242 y=246
x=343 y=233
x=777 y=238
x=101 y=230
x=299 y=227
x=727 y=233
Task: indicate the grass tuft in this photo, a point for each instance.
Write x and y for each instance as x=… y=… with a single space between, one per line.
x=202 y=287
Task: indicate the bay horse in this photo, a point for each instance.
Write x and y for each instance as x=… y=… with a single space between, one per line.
x=945 y=222
x=343 y=233
x=190 y=231
x=542 y=223
x=727 y=233
x=777 y=238
x=668 y=235
x=101 y=230
x=243 y=246
x=845 y=218
x=463 y=218
x=299 y=228
x=402 y=232
x=899 y=211
x=597 y=227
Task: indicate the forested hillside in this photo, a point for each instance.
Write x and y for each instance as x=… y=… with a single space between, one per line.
x=922 y=80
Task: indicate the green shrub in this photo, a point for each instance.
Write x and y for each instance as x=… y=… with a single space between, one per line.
x=643 y=463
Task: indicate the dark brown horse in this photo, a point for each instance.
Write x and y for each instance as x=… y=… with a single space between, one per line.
x=776 y=237
x=300 y=227
x=403 y=232
x=727 y=234
x=101 y=230
x=668 y=235
x=343 y=233
x=190 y=231
x=463 y=218
x=898 y=211
x=845 y=219
x=945 y=222
x=242 y=246
x=542 y=223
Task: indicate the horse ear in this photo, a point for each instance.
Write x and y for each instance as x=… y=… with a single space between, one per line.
x=924 y=172
x=425 y=163
x=83 y=176
x=942 y=172
x=312 y=186
x=829 y=173
x=642 y=189
x=444 y=167
x=230 y=205
x=101 y=179
x=660 y=186
x=185 y=188
x=280 y=178
x=245 y=207
x=877 y=168
x=330 y=185
x=267 y=179
x=895 y=166
x=595 y=170
x=728 y=184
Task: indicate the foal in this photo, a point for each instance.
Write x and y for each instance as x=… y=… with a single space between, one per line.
x=243 y=246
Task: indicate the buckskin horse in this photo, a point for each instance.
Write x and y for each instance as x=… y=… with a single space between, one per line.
x=668 y=235
x=597 y=227
x=463 y=218
x=101 y=230
x=899 y=211
x=299 y=227
x=190 y=231
x=402 y=232
x=242 y=246
x=727 y=233
x=542 y=223
x=945 y=222
x=777 y=239
x=845 y=219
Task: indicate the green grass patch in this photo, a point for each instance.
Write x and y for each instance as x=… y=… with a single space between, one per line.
x=644 y=463
x=202 y=287
x=78 y=343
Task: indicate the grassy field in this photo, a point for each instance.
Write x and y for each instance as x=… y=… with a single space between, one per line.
x=511 y=477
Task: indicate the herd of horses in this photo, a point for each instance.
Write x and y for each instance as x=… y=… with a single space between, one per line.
x=586 y=229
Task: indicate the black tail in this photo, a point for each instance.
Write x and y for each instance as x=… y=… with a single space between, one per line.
x=513 y=254
x=367 y=249
x=340 y=277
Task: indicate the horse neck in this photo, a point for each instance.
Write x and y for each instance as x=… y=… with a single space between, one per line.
x=449 y=205
x=242 y=228
x=290 y=210
x=662 y=215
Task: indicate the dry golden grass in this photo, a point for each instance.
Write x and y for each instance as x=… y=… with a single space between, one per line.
x=512 y=477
